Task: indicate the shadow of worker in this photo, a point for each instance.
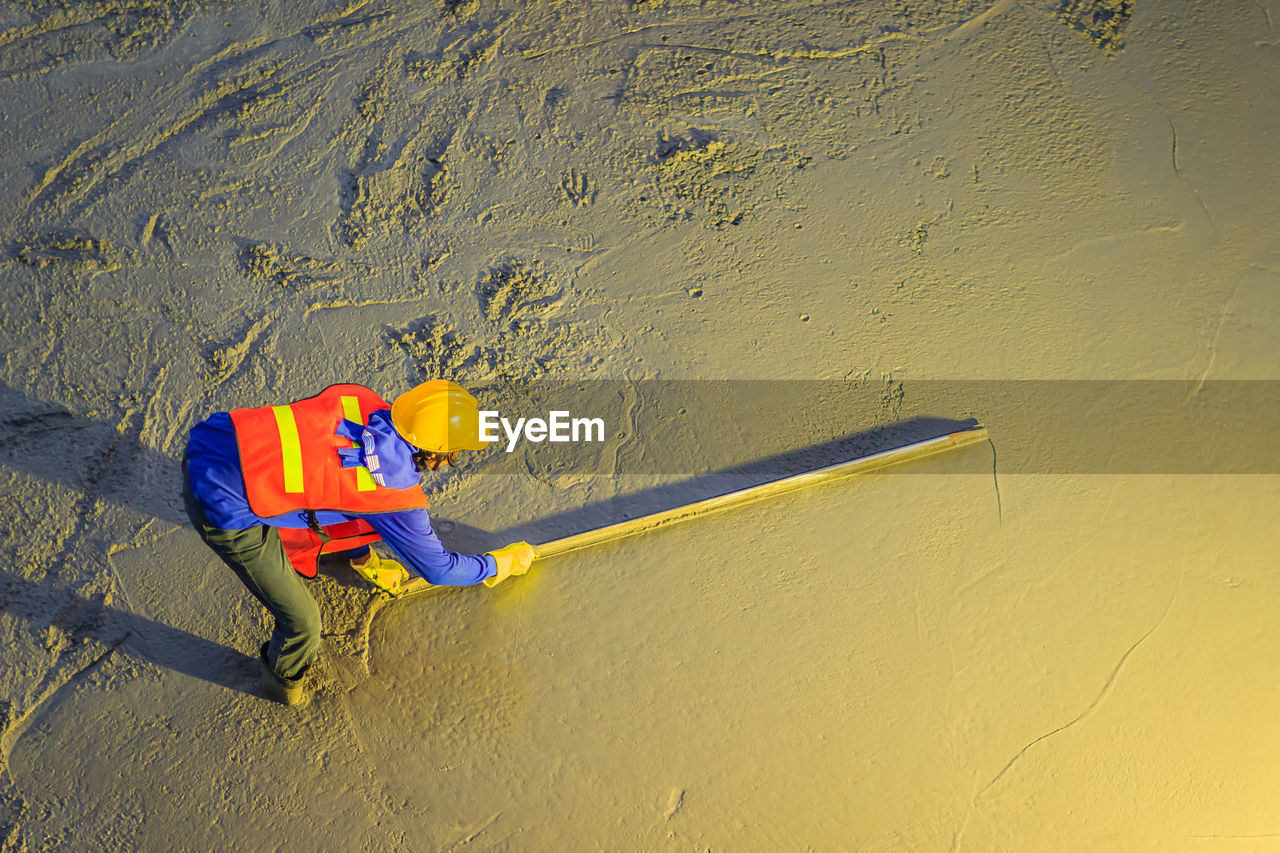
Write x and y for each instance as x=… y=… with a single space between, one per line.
x=77 y=619
x=106 y=467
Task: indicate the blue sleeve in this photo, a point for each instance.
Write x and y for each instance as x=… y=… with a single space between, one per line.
x=410 y=535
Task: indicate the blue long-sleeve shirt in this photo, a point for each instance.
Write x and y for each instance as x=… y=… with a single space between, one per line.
x=213 y=465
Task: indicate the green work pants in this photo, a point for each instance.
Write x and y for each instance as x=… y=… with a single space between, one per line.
x=257 y=557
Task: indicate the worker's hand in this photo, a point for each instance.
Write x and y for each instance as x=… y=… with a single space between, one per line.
x=514 y=559
x=387 y=575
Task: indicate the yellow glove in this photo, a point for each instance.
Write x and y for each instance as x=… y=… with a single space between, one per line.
x=514 y=559
x=386 y=575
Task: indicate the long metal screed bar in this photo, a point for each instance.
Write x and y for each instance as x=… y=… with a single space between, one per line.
x=741 y=497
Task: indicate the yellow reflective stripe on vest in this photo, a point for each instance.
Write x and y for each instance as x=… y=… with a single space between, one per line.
x=290 y=448
x=351 y=411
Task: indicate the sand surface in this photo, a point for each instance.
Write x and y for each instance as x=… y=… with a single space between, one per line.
x=210 y=206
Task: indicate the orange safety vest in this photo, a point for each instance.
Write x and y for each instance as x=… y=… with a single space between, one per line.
x=289 y=459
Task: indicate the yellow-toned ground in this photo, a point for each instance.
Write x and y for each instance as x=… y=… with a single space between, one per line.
x=210 y=207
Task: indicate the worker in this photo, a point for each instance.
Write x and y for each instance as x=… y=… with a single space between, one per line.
x=270 y=489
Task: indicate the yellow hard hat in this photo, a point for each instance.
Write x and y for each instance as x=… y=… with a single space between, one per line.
x=440 y=416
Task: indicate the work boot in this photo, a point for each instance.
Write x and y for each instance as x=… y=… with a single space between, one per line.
x=286 y=691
